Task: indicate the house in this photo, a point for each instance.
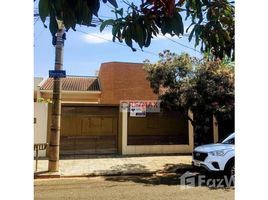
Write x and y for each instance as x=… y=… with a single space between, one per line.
x=95 y=120
x=40 y=117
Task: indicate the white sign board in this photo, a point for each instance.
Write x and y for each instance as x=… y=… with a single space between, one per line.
x=137 y=110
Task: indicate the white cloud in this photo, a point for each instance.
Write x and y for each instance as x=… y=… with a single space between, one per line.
x=97 y=37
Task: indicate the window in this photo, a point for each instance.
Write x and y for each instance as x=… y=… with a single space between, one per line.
x=229 y=140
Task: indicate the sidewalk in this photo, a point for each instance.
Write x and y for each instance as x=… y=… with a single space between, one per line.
x=115 y=165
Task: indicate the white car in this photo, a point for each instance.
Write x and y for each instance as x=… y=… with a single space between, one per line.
x=219 y=157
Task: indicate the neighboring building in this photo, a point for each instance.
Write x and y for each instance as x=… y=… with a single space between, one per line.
x=40 y=117
x=92 y=121
x=37 y=81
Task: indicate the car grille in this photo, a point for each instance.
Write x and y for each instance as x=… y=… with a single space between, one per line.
x=199 y=155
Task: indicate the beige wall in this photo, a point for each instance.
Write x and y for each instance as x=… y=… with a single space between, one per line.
x=37 y=81
x=40 y=127
x=75 y=97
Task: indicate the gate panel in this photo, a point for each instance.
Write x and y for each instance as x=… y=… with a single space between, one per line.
x=89 y=130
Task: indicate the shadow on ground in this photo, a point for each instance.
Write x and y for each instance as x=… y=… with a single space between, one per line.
x=176 y=168
x=177 y=175
x=135 y=168
x=123 y=169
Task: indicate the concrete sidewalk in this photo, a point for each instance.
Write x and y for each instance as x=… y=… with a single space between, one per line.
x=115 y=165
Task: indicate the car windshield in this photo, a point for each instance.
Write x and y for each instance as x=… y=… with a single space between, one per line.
x=229 y=140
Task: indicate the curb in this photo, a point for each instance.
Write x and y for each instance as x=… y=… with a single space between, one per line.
x=47 y=175
x=44 y=176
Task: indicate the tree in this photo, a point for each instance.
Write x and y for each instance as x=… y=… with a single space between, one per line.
x=70 y=12
x=212 y=21
x=205 y=87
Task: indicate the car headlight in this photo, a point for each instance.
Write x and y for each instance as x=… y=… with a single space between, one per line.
x=218 y=153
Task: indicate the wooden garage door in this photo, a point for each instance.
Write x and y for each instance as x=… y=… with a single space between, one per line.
x=89 y=130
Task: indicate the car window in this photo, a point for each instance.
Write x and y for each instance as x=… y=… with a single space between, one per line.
x=229 y=140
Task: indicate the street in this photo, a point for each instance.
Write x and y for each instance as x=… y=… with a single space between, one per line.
x=126 y=187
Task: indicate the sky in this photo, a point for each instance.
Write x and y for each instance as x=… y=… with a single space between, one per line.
x=84 y=52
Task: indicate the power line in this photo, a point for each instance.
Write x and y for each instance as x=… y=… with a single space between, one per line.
x=182 y=44
x=109 y=6
x=118 y=43
x=102 y=16
x=184 y=35
x=37 y=18
x=40 y=33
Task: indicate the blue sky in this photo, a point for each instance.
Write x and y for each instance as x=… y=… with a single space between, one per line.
x=84 y=53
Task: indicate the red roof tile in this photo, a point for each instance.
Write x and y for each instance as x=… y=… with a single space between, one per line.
x=74 y=83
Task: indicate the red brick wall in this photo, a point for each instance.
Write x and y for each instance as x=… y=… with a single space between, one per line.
x=124 y=81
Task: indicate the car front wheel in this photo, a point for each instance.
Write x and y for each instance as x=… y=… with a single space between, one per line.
x=230 y=168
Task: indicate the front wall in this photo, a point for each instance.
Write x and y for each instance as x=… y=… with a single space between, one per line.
x=158 y=128
x=154 y=149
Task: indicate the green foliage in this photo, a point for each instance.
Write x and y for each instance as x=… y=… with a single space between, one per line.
x=205 y=87
x=212 y=22
x=43 y=9
x=213 y=25
x=42 y=100
x=71 y=12
x=140 y=25
x=106 y=23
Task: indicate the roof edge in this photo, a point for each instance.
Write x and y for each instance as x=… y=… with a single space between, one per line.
x=135 y=63
x=42 y=82
x=78 y=76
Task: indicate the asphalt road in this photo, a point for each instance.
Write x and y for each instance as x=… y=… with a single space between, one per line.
x=162 y=187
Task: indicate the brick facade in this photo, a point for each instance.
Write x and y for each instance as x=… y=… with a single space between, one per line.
x=124 y=81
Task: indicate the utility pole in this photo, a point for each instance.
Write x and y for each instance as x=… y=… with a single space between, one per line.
x=54 y=145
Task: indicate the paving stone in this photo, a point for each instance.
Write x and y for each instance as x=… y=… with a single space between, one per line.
x=116 y=165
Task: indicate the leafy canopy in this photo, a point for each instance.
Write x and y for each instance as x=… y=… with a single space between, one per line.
x=71 y=12
x=212 y=21
x=205 y=87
